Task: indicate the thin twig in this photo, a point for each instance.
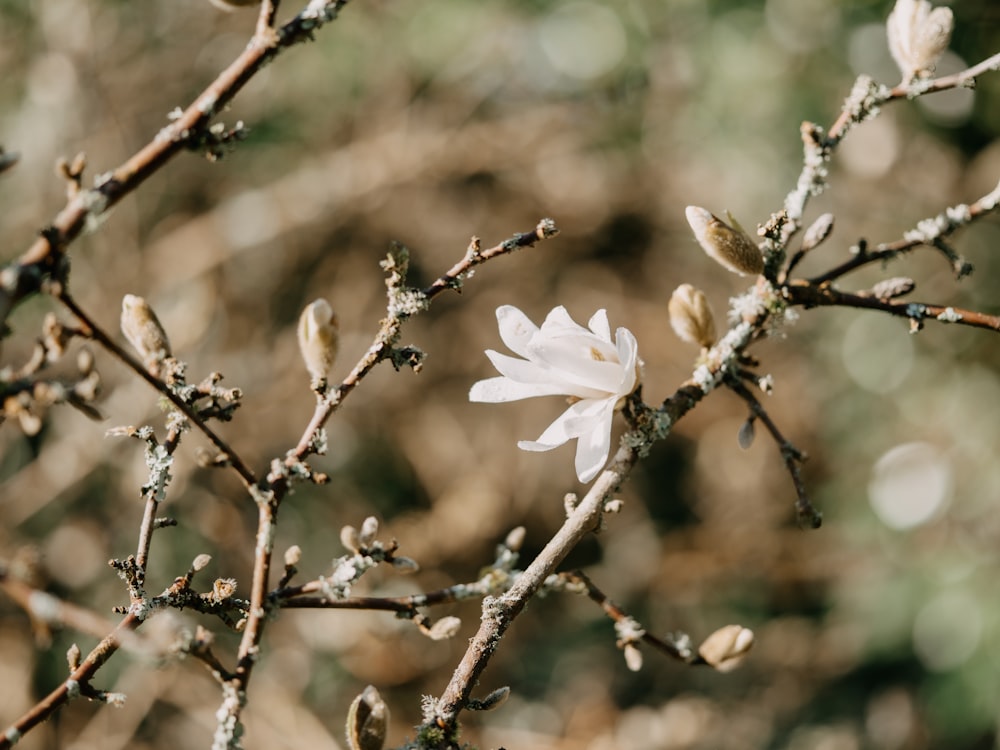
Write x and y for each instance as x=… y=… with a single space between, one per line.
x=916 y=88
x=617 y=614
x=930 y=231
x=808 y=515
x=810 y=295
x=86 y=208
x=94 y=331
x=381 y=347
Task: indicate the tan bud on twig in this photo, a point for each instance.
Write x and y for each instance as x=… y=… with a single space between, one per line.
x=817 y=232
x=443 y=629
x=898 y=286
x=367 y=721
x=633 y=657
x=318 y=338
x=728 y=245
x=515 y=539
x=369 y=530
x=918 y=35
x=223 y=588
x=691 y=317
x=349 y=538
x=405 y=564
x=292 y=556
x=144 y=332
x=725 y=648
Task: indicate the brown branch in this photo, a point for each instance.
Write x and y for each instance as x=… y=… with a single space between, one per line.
x=500 y=612
x=25 y=276
x=382 y=347
x=93 y=331
x=673 y=649
x=928 y=232
x=70 y=688
x=404 y=302
x=809 y=295
x=809 y=517
x=78 y=682
x=909 y=90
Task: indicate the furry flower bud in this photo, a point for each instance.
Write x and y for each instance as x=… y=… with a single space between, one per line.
x=144 y=332
x=367 y=721
x=727 y=245
x=691 y=317
x=318 y=338
x=725 y=648
x=918 y=35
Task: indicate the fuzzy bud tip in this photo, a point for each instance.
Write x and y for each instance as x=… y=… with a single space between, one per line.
x=729 y=246
x=143 y=330
x=319 y=338
x=691 y=317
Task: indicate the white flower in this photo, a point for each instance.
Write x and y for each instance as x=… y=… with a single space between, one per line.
x=564 y=358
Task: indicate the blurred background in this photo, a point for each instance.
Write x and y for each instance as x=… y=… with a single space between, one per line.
x=428 y=123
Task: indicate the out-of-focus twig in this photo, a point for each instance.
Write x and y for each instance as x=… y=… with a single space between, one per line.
x=87 y=207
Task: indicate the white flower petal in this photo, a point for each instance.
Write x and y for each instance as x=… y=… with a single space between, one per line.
x=516 y=330
x=598 y=323
x=628 y=355
x=599 y=376
x=592 y=448
x=559 y=320
x=501 y=390
x=525 y=371
x=578 y=419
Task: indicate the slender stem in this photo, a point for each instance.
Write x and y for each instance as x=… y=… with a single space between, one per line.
x=25 y=277
x=810 y=295
x=381 y=347
x=93 y=331
x=500 y=612
x=617 y=614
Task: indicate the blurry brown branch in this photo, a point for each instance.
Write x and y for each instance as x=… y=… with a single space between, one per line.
x=809 y=295
x=87 y=207
x=929 y=232
x=50 y=611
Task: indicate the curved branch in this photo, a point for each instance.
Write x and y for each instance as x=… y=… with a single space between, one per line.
x=86 y=208
x=810 y=295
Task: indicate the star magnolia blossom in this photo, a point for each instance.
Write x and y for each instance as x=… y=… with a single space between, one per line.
x=564 y=358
